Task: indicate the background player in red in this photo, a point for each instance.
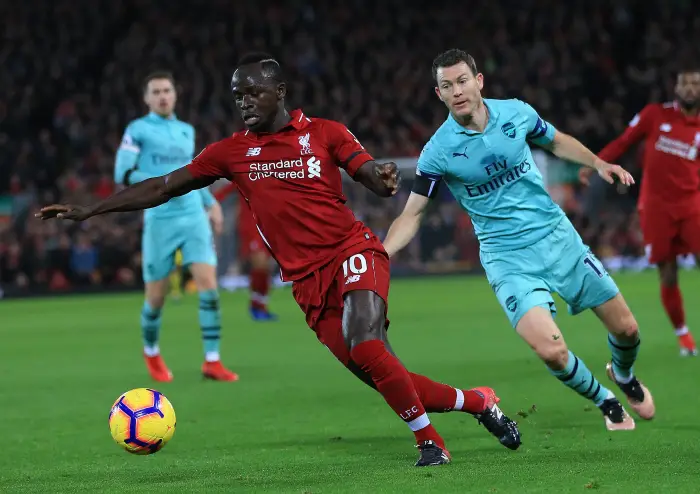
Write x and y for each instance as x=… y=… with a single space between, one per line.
x=252 y=249
x=286 y=166
x=669 y=203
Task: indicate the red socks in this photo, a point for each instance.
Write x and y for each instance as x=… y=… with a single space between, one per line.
x=437 y=397
x=673 y=303
x=394 y=383
x=259 y=288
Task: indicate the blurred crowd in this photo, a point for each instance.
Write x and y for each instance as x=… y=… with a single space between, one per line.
x=72 y=72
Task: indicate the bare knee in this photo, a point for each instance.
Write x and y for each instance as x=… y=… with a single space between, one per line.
x=259 y=260
x=155 y=293
x=618 y=318
x=539 y=331
x=363 y=318
x=555 y=354
x=204 y=276
x=626 y=327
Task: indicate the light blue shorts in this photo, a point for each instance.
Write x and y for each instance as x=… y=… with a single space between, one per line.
x=162 y=238
x=559 y=263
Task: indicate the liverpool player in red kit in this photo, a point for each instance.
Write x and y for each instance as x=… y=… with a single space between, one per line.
x=286 y=167
x=251 y=248
x=669 y=203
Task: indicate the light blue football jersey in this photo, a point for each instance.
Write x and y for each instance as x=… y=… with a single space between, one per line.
x=153 y=146
x=493 y=174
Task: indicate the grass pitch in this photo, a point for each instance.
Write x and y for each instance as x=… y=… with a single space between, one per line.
x=298 y=422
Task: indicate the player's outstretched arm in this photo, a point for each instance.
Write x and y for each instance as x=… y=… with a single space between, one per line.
x=405 y=227
x=569 y=148
x=384 y=179
x=143 y=195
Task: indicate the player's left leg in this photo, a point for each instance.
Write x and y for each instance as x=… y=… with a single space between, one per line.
x=624 y=342
x=199 y=253
x=689 y=242
x=582 y=280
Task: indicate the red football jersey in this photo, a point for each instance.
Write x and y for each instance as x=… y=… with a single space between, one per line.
x=670 y=164
x=292 y=183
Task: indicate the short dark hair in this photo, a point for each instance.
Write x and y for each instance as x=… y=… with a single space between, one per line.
x=269 y=65
x=158 y=74
x=452 y=57
x=688 y=66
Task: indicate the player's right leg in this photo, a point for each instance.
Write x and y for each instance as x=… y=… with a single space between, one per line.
x=157 y=255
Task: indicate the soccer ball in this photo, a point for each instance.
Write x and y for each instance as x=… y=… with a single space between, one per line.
x=142 y=421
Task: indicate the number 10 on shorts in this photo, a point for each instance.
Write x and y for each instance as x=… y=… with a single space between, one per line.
x=355 y=265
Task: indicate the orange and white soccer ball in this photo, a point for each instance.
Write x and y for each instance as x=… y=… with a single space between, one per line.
x=142 y=421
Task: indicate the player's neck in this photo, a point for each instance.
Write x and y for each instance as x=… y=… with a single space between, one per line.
x=280 y=121
x=164 y=116
x=690 y=112
x=475 y=121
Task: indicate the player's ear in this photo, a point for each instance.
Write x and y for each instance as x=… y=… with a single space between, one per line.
x=480 y=80
x=281 y=90
x=437 y=91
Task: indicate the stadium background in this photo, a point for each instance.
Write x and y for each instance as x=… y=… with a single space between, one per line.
x=73 y=68
x=296 y=421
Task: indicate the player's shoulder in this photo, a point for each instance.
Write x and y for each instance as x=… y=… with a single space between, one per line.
x=507 y=105
x=658 y=108
x=138 y=123
x=186 y=126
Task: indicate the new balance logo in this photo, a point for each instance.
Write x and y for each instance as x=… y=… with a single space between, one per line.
x=314 y=167
x=353 y=279
x=497 y=412
x=253 y=152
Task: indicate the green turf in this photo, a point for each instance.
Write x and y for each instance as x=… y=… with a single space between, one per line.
x=298 y=422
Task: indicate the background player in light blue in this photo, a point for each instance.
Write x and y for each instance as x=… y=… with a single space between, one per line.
x=153 y=146
x=528 y=247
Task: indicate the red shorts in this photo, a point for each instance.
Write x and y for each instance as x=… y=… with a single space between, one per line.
x=320 y=295
x=667 y=235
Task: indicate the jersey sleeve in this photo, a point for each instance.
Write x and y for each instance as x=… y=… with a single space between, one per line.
x=637 y=129
x=209 y=164
x=539 y=131
x=345 y=148
x=126 y=163
x=429 y=170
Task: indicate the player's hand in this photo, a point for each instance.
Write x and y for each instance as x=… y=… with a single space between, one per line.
x=64 y=212
x=585 y=174
x=216 y=216
x=610 y=173
x=390 y=176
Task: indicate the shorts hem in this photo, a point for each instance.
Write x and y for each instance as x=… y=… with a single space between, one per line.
x=574 y=311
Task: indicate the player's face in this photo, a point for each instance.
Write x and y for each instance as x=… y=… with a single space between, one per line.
x=160 y=97
x=688 y=89
x=459 y=89
x=257 y=97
